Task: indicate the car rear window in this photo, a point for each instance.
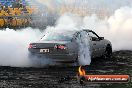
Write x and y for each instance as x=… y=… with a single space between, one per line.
x=57 y=37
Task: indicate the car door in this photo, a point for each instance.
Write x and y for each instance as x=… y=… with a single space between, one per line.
x=96 y=44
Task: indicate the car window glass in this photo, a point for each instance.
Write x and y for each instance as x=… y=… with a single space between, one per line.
x=93 y=36
x=57 y=37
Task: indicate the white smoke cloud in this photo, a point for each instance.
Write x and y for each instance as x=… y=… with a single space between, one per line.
x=121 y=29
x=84 y=53
x=117 y=28
x=14 y=44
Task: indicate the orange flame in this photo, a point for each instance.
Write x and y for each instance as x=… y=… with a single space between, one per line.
x=81 y=71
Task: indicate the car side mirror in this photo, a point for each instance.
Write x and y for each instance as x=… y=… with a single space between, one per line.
x=101 y=38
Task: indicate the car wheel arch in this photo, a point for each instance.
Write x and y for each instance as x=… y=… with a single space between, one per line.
x=108 y=46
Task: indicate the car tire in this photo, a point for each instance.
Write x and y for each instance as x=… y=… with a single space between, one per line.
x=108 y=52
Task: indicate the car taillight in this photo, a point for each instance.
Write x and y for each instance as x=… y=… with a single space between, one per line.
x=60 y=47
x=30 y=46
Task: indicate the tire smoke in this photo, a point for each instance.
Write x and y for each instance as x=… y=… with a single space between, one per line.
x=84 y=53
x=117 y=28
x=14 y=44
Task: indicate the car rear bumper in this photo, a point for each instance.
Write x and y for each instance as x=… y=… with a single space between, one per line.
x=67 y=58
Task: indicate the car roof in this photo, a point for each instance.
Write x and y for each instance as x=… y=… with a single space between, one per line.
x=87 y=30
x=77 y=31
x=72 y=32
